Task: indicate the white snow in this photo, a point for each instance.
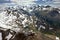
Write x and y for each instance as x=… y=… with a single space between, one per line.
x=41 y=26
x=7 y=20
x=22 y=16
x=57 y=38
x=24 y=22
x=9 y=36
x=16 y=30
x=0 y=36
x=59 y=11
x=10 y=21
x=30 y=10
x=24 y=9
x=3 y=20
x=50 y=28
x=44 y=8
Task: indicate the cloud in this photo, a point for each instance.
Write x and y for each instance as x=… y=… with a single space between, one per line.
x=56 y=0
x=24 y=2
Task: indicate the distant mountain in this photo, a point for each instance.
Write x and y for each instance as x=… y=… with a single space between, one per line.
x=42 y=1
x=5 y=1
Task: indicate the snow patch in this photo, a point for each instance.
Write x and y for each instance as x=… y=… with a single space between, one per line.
x=57 y=38
x=0 y=36
x=9 y=36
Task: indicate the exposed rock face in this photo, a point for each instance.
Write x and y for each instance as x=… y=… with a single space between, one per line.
x=12 y=35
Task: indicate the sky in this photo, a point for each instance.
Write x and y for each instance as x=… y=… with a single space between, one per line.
x=26 y=2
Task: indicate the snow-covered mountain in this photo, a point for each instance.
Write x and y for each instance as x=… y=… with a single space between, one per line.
x=13 y=17
x=17 y=16
x=28 y=19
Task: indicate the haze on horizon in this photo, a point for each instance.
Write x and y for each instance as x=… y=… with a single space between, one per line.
x=27 y=2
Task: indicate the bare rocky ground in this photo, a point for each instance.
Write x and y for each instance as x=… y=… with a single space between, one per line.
x=23 y=36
